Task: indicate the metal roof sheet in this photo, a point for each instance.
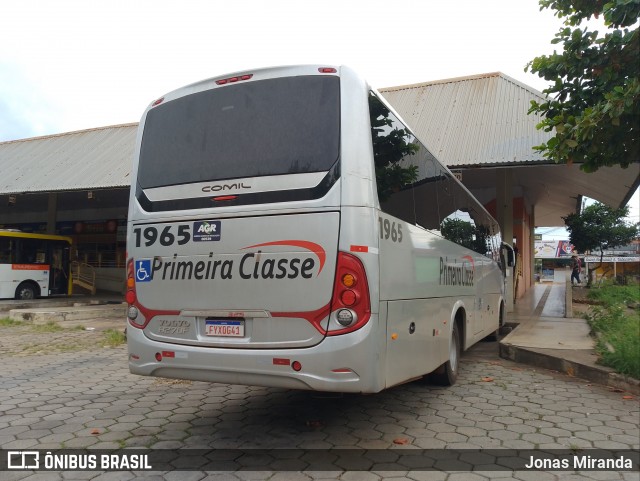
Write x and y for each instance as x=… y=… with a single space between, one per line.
x=481 y=119
x=87 y=159
x=481 y=122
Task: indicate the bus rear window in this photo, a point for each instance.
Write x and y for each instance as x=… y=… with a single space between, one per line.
x=278 y=126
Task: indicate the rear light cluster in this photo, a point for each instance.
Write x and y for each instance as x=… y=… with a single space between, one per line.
x=139 y=316
x=130 y=296
x=231 y=80
x=350 y=305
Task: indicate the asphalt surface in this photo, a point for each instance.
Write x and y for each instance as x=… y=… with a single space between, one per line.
x=65 y=390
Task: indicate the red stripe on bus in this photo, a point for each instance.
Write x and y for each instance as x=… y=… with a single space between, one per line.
x=314 y=317
x=311 y=246
x=29 y=267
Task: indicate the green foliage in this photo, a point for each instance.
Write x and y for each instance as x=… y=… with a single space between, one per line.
x=114 y=338
x=612 y=295
x=617 y=339
x=594 y=96
x=599 y=226
x=8 y=322
x=390 y=146
x=465 y=233
x=391 y=178
x=617 y=330
x=48 y=327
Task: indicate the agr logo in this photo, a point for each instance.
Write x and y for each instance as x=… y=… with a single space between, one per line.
x=207 y=228
x=206 y=231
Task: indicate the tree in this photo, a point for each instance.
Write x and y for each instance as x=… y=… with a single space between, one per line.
x=390 y=146
x=465 y=233
x=599 y=226
x=593 y=101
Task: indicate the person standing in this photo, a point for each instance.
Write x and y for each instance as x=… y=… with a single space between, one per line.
x=576 y=269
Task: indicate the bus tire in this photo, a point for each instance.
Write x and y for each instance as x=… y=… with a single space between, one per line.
x=447 y=373
x=26 y=291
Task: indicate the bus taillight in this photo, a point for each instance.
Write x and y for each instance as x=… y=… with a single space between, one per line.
x=350 y=307
x=130 y=296
x=139 y=315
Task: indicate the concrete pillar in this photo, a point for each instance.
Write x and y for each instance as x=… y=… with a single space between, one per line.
x=52 y=213
x=504 y=211
x=532 y=247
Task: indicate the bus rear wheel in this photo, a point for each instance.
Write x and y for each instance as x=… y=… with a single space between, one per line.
x=26 y=291
x=447 y=374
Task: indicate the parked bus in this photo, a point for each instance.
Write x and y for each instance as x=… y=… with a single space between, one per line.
x=34 y=265
x=287 y=229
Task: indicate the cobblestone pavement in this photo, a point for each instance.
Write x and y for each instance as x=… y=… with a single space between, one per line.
x=81 y=395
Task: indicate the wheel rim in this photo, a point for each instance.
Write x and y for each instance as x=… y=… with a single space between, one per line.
x=453 y=352
x=26 y=294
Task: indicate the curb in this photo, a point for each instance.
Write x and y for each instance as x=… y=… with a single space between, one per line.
x=69 y=314
x=544 y=358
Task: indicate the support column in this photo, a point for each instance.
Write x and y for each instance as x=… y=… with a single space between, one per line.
x=52 y=213
x=504 y=211
x=532 y=248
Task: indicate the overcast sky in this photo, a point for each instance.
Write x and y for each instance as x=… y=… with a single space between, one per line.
x=68 y=65
x=73 y=64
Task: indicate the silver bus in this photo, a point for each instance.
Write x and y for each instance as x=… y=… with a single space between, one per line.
x=286 y=228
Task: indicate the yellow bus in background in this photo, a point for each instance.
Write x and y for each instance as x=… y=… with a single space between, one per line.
x=34 y=265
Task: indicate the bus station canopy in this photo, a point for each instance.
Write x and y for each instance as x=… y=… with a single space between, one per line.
x=480 y=124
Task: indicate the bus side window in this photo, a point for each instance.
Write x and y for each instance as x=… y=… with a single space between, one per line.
x=399 y=160
x=5 y=251
x=32 y=251
x=414 y=187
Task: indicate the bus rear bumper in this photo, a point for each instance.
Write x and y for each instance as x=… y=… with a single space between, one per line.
x=336 y=364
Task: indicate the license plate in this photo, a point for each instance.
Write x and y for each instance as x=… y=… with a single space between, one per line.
x=224 y=328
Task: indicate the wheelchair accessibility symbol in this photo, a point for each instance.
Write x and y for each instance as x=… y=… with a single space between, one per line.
x=143 y=270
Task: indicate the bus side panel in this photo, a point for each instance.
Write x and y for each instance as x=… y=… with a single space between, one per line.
x=18 y=273
x=7 y=286
x=415 y=331
x=425 y=279
x=359 y=237
x=492 y=296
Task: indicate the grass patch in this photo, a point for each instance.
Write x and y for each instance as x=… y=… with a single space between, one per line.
x=114 y=338
x=48 y=327
x=612 y=295
x=7 y=322
x=616 y=328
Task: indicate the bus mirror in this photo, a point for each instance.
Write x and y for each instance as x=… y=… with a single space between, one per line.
x=508 y=255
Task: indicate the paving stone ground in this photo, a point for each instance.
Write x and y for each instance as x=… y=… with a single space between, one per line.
x=64 y=390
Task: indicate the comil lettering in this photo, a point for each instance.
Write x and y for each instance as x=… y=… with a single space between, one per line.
x=223 y=187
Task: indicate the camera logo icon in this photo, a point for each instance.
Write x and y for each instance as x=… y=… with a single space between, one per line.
x=23 y=460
